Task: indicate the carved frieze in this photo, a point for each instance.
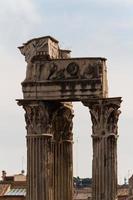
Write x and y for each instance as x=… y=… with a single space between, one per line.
x=76 y=70
x=64 y=69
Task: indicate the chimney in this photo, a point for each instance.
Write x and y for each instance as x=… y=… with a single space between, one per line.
x=3 y=175
x=22 y=172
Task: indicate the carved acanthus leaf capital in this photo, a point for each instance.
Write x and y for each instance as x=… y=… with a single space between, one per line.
x=104 y=114
x=37 y=119
x=62 y=123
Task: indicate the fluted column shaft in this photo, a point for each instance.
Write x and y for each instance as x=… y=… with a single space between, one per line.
x=39 y=168
x=104 y=115
x=63 y=155
x=39 y=150
x=49 y=150
x=63 y=177
x=104 y=168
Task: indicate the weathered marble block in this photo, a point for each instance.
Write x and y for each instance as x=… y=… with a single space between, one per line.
x=53 y=75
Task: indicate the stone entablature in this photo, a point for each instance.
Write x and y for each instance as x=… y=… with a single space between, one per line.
x=70 y=79
x=52 y=75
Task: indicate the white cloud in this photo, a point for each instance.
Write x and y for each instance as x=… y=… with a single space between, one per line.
x=119 y=1
x=127 y=2
x=18 y=19
x=25 y=9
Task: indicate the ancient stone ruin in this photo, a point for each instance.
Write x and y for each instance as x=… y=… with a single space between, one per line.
x=53 y=81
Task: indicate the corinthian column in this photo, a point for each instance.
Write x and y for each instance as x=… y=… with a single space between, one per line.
x=39 y=150
x=63 y=159
x=104 y=115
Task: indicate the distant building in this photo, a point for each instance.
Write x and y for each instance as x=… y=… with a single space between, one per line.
x=123 y=192
x=83 y=193
x=82 y=182
x=83 y=190
x=13 y=187
x=130 y=188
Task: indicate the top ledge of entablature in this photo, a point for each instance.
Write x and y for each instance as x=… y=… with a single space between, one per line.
x=34 y=39
x=80 y=58
x=104 y=99
x=66 y=50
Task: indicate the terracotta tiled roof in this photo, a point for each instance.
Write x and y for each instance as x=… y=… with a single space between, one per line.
x=82 y=196
x=130 y=198
x=123 y=192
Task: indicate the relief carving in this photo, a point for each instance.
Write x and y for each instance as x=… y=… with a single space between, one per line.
x=34 y=48
x=55 y=73
x=91 y=71
x=72 y=71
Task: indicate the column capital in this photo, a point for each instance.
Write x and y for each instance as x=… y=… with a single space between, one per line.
x=62 y=123
x=37 y=117
x=104 y=114
x=49 y=118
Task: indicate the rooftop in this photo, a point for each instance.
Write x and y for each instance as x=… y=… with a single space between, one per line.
x=16 y=192
x=44 y=37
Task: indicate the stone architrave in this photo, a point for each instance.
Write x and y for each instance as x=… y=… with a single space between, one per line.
x=104 y=115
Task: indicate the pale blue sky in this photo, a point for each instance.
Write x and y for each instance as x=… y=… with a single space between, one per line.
x=89 y=28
